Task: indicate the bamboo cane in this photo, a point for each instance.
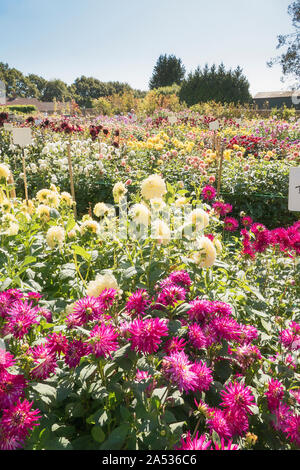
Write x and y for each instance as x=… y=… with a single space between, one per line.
x=25 y=177
x=71 y=179
x=221 y=153
x=12 y=192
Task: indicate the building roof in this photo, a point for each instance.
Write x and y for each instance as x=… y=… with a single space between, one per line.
x=275 y=94
x=42 y=106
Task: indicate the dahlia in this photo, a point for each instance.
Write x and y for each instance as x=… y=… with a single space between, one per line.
x=225 y=328
x=21 y=317
x=9 y=442
x=174 y=344
x=197 y=337
x=274 y=394
x=153 y=186
x=206 y=254
x=103 y=340
x=6 y=360
x=106 y=281
x=11 y=388
x=225 y=446
x=178 y=369
x=292 y=428
x=237 y=397
x=57 y=343
x=146 y=335
x=171 y=295
x=231 y=224
x=180 y=278
x=209 y=192
x=19 y=419
x=196 y=443
x=203 y=374
x=45 y=362
x=75 y=351
x=107 y=298
x=138 y=302
x=217 y=422
x=200 y=310
x=55 y=236
x=87 y=309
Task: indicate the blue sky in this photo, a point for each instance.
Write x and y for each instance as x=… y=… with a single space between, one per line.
x=122 y=39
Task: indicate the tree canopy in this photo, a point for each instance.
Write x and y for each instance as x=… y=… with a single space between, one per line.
x=167 y=71
x=290 y=58
x=217 y=84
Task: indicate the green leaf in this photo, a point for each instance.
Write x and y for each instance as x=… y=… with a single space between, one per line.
x=81 y=252
x=117 y=438
x=58 y=443
x=98 y=434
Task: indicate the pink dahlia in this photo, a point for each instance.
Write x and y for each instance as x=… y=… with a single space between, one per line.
x=225 y=445
x=217 y=422
x=12 y=387
x=9 y=442
x=44 y=312
x=178 y=369
x=19 y=419
x=171 y=295
x=57 y=343
x=21 y=317
x=209 y=193
x=200 y=310
x=6 y=360
x=146 y=335
x=193 y=443
x=87 y=309
x=45 y=362
x=274 y=394
x=103 y=340
x=247 y=221
x=290 y=337
x=203 y=374
x=225 y=328
x=292 y=429
x=75 y=351
x=180 y=278
x=197 y=337
x=237 y=397
x=231 y=224
x=5 y=303
x=138 y=302
x=107 y=298
x=174 y=344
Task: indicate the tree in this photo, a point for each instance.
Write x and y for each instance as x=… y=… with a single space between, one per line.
x=167 y=71
x=39 y=82
x=56 y=89
x=290 y=58
x=215 y=84
x=17 y=85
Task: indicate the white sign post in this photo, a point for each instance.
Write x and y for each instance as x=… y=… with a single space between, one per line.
x=294 y=190
x=214 y=126
x=22 y=137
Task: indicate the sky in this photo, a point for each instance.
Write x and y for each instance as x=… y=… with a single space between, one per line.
x=121 y=40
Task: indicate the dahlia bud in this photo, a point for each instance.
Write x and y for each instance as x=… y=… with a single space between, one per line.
x=251 y=439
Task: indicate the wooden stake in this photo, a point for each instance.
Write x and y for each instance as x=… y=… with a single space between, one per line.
x=71 y=179
x=221 y=153
x=12 y=192
x=25 y=178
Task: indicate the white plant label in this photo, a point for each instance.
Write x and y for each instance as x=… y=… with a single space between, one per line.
x=22 y=136
x=8 y=127
x=172 y=119
x=294 y=190
x=214 y=126
x=239 y=121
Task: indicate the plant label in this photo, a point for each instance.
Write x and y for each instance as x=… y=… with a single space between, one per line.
x=214 y=126
x=294 y=190
x=8 y=127
x=172 y=119
x=22 y=136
